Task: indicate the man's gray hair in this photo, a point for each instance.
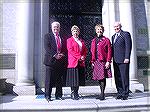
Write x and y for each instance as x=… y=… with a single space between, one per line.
x=55 y=23
x=118 y=23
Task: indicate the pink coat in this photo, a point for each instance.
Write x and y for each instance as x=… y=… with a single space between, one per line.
x=74 y=53
x=104 y=50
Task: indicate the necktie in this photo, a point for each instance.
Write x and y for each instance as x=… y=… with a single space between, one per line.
x=116 y=36
x=58 y=43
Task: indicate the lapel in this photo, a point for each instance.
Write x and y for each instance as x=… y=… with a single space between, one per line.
x=113 y=37
x=77 y=45
x=83 y=45
x=93 y=48
x=53 y=41
x=119 y=37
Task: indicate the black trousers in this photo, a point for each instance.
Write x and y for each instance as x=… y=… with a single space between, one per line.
x=121 y=74
x=53 y=79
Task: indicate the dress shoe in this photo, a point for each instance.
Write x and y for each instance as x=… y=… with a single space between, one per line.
x=124 y=98
x=118 y=97
x=48 y=99
x=101 y=97
x=75 y=96
x=59 y=98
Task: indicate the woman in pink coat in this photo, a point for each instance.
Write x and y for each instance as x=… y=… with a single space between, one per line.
x=101 y=52
x=76 y=62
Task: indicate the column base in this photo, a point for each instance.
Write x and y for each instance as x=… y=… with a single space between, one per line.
x=24 y=89
x=2 y=86
x=135 y=86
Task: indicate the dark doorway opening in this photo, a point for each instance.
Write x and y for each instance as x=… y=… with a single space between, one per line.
x=83 y=13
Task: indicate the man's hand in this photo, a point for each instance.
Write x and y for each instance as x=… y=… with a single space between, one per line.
x=107 y=65
x=59 y=56
x=126 y=61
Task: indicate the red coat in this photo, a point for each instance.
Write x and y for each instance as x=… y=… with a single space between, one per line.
x=104 y=50
x=74 y=53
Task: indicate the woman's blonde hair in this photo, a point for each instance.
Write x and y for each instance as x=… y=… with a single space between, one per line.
x=99 y=25
x=74 y=27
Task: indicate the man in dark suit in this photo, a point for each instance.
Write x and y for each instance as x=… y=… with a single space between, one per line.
x=55 y=61
x=121 y=44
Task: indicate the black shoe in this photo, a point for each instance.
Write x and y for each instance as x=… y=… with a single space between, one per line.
x=48 y=99
x=124 y=98
x=75 y=96
x=101 y=97
x=59 y=98
x=118 y=97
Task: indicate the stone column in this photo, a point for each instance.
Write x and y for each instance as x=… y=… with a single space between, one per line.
x=108 y=17
x=126 y=18
x=108 y=11
x=25 y=47
x=127 y=25
x=41 y=28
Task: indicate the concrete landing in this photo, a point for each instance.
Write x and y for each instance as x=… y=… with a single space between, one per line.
x=137 y=102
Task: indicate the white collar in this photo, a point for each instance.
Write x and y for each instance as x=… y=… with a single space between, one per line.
x=76 y=39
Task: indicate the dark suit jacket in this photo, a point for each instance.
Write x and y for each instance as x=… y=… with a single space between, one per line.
x=51 y=49
x=122 y=47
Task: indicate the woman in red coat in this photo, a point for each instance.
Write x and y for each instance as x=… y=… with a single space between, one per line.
x=76 y=62
x=101 y=52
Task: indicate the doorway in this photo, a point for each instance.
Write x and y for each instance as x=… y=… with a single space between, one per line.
x=83 y=13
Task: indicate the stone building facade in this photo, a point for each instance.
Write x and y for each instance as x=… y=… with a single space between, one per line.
x=23 y=24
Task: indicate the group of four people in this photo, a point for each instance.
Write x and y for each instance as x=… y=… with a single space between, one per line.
x=71 y=54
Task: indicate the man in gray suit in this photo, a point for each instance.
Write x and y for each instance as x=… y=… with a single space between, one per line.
x=121 y=45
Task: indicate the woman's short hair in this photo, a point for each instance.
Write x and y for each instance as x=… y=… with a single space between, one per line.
x=99 y=25
x=74 y=27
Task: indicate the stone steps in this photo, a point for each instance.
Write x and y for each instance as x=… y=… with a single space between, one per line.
x=137 y=102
